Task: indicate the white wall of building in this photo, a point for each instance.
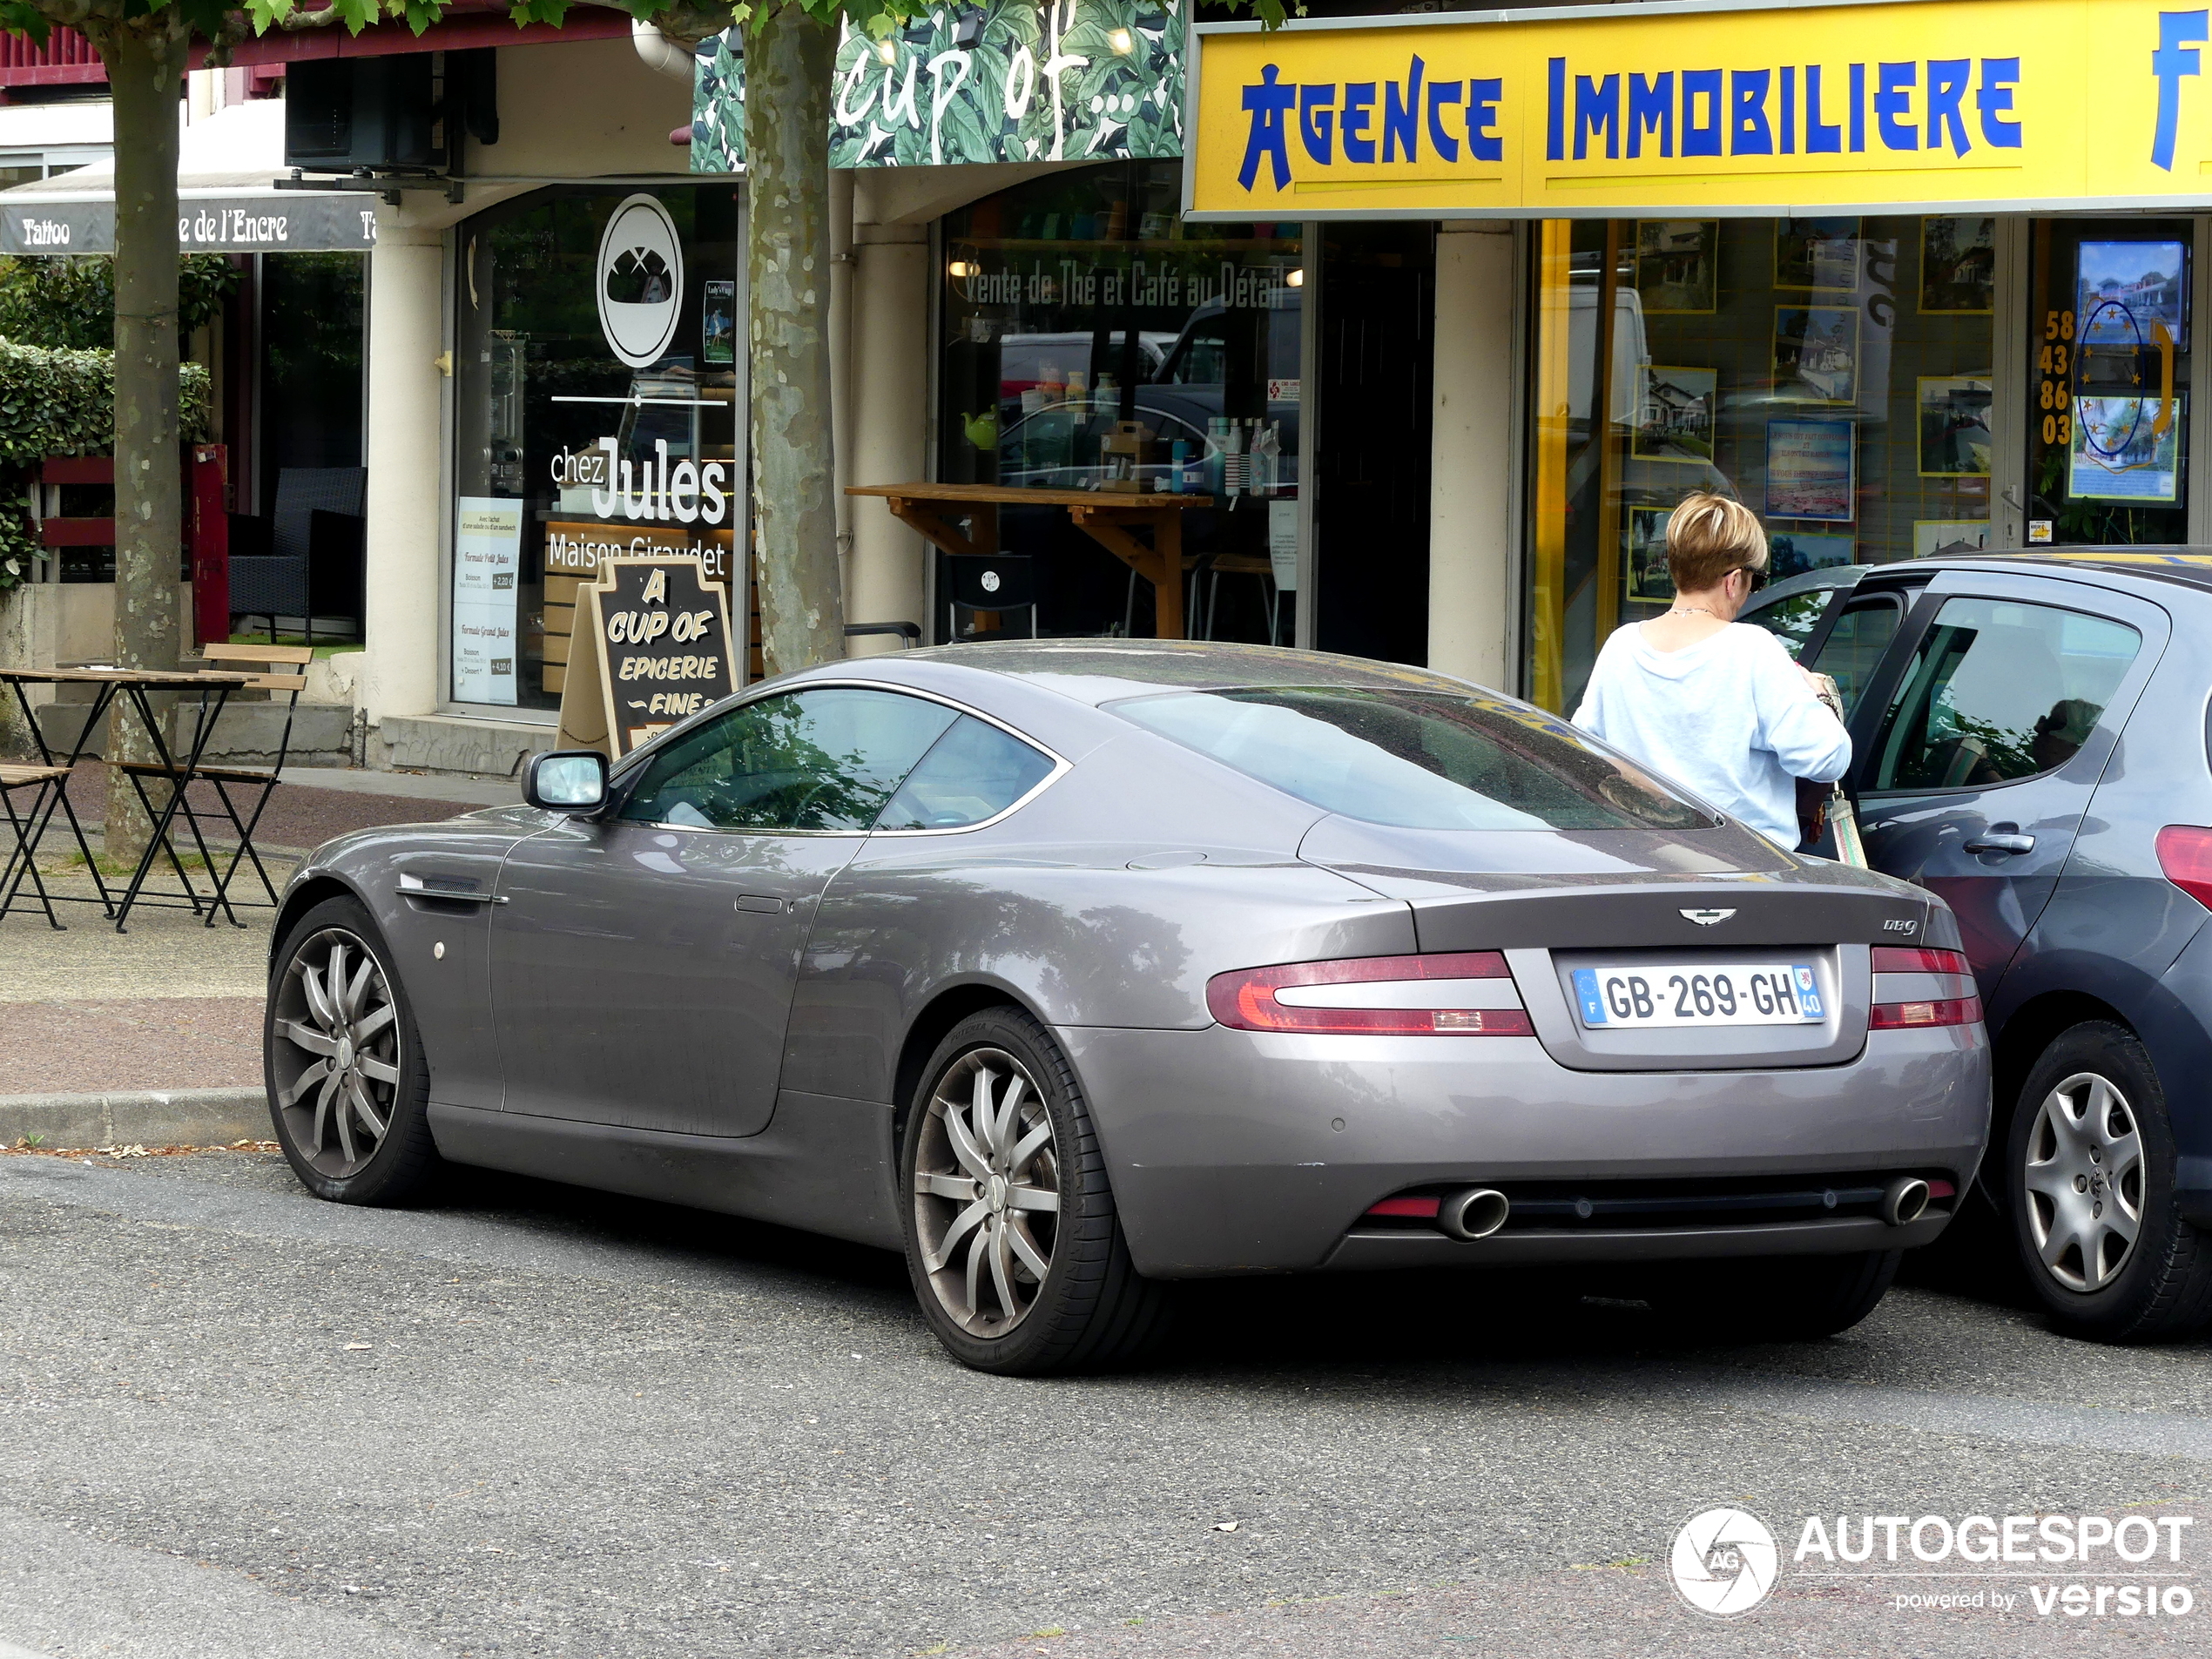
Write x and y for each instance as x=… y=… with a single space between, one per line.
x=1473 y=462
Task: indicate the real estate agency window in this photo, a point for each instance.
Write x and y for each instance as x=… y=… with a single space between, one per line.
x=1832 y=374
x=598 y=379
x=1086 y=330
x=2109 y=346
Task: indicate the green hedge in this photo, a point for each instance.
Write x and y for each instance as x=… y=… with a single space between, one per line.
x=63 y=403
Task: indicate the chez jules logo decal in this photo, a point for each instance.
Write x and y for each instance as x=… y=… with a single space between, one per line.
x=641 y=281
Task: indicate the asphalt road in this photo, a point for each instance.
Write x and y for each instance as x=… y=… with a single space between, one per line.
x=235 y=1421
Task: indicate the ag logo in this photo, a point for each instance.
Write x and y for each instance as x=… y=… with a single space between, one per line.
x=641 y=281
x=1706 y=918
x=1725 y=1562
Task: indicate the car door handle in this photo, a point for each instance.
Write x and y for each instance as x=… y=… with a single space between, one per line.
x=766 y=903
x=2001 y=844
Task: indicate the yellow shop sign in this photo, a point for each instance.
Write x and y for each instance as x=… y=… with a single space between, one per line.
x=1866 y=104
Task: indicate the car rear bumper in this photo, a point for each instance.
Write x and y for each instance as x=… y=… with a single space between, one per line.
x=1243 y=1152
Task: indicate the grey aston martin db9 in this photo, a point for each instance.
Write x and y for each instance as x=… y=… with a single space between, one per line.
x=1073 y=968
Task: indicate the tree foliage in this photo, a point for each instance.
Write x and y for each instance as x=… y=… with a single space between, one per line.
x=68 y=300
x=59 y=402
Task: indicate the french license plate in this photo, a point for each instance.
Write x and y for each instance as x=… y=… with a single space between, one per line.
x=1729 y=993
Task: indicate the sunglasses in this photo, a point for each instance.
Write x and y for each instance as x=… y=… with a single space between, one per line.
x=1758 y=578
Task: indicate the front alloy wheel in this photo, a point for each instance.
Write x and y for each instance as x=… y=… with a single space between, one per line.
x=337 y=1060
x=986 y=1193
x=2084 y=1180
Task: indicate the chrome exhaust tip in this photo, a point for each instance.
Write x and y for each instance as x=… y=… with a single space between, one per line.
x=1476 y=1213
x=1905 y=1201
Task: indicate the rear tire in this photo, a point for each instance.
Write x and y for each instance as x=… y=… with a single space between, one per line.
x=341 y=1060
x=1000 y=1175
x=1785 y=1298
x=2089 y=1171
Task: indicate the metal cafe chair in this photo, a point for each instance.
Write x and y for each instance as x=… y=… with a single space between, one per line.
x=992 y=583
x=49 y=785
x=255 y=785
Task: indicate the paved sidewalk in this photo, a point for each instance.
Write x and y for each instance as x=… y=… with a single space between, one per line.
x=173 y=1004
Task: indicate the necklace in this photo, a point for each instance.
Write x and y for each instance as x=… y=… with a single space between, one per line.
x=1690 y=610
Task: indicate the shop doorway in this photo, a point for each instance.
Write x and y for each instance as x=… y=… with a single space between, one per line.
x=1371 y=451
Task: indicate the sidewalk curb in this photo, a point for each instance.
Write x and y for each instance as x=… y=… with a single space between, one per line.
x=140 y=1117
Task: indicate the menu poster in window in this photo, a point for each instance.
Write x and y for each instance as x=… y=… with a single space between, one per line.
x=2126 y=448
x=718 y=323
x=656 y=651
x=487 y=564
x=1810 y=470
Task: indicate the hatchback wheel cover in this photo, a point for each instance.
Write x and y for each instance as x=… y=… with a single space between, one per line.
x=2085 y=1181
x=986 y=1193
x=336 y=1060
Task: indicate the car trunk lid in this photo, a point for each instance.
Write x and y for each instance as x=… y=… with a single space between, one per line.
x=1652 y=903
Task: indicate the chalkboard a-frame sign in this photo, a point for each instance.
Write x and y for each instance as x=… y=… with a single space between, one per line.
x=656 y=650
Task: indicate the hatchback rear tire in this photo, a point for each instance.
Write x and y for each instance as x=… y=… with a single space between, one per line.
x=2089 y=1167
x=1013 y=1243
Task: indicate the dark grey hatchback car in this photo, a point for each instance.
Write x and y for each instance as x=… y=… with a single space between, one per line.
x=2030 y=742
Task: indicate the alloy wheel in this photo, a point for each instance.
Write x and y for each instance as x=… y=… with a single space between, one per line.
x=987 y=1191
x=337 y=1055
x=2085 y=1181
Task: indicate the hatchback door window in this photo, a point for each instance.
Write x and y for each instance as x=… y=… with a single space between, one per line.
x=1999 y=691
x=1854 y=646
x=1791 y=620
x=825 y=759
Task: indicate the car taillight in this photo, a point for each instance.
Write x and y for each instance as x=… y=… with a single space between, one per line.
x=2185 y=855
x=1401 y=996
x=1915 y=959
x=1950 y=1010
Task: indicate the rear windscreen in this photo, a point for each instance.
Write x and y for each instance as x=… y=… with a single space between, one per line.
x=1418 y=759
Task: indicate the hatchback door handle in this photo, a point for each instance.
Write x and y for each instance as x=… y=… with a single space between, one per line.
x=768 y=904
x=2001 y=844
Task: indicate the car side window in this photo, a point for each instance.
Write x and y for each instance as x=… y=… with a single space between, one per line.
x=1997 y=691
x=1854 y=646
x=825 y=759
x=1792 y=620
x=973 y=773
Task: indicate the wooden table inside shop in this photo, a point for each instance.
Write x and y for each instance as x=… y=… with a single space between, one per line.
x=1107 y=517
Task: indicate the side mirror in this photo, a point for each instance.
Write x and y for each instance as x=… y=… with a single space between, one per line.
x=568 y=781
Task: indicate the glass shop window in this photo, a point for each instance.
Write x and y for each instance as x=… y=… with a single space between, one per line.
x=597 y=386
x=1832 y=374
x=1092 y=342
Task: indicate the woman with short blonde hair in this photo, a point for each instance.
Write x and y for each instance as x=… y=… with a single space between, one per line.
x=1715 y=703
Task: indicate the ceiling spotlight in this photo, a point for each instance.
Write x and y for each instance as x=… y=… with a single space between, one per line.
x=888 y=50
x=960 y=268
x=1296 y=278
x=1122 y=42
